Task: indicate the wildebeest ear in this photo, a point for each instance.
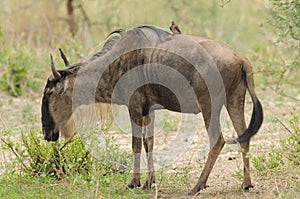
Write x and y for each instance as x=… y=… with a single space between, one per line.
x=62 y=88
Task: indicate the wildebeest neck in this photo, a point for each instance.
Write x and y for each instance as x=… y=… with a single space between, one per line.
x=95 y=82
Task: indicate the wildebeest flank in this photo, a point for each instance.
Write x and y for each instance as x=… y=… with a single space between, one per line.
x=149 y=69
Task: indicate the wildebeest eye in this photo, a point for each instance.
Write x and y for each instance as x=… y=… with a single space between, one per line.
x=49 y=92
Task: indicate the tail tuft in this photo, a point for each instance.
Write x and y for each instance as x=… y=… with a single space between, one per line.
x=257 y=113
x=255 y=123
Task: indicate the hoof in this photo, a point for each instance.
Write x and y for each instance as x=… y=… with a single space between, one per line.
x=246 y=187
x=148 y=184
x=133 y=184
x=196 y=189
x=193 y=192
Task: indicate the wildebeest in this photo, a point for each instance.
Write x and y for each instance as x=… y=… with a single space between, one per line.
x=148 y=69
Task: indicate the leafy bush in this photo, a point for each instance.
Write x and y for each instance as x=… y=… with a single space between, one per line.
x=286 y=18
x=62 y=159
x=291 y=146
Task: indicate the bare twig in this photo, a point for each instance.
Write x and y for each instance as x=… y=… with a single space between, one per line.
x=288 y=96
x=84 y=157
x=285 y=127
x=67 y=142
x=13 y=150
x=25 y=142
x=85 y=16
x=36 y=144
x=59 y=165
x=224 y=3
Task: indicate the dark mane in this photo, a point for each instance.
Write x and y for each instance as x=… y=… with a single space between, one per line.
x=111 y=40
x=162 y=34
x=113 y=37
x=118 y=31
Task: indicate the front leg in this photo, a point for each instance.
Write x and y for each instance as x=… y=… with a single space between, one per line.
x=136 y=123
x=136 y=148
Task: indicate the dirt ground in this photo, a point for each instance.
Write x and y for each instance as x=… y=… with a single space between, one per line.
x=223 y=181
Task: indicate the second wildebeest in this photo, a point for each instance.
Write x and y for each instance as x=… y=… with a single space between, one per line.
x=149 y=69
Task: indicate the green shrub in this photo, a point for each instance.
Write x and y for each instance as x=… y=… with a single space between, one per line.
x=291 y=146
x=286 y=22
x=63 y=159
x=288 y=153
x=15 y=74
x=286 y=19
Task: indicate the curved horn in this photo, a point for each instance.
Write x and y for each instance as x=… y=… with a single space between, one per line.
x=55 y=73
x=63 y=56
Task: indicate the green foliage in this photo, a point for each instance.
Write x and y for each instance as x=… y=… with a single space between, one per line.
x=100 y=186
x=286 y=19
x=273 y=160
x=286 y=16
x=54 y=159
x=16 y=72
x=240 y=173
x=287 y=154
x=33 y=187
x=291 y=146
x=60 y=160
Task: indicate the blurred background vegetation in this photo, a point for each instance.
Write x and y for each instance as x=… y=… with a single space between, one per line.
x=267 y=32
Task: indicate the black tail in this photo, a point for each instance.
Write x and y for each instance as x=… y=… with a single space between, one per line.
x=257 y=113
x=255 y=123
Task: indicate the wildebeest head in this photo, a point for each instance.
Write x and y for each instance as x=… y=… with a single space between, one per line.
x=57 y=98
x=57 y=103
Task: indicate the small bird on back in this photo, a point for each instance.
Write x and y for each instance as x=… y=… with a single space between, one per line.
x=174 y=28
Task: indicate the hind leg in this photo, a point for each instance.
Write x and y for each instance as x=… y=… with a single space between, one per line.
x=216 y=141
x=235 y=108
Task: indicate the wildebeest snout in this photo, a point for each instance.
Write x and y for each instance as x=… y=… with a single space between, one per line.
x=49 y=134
